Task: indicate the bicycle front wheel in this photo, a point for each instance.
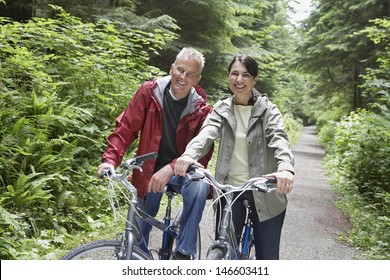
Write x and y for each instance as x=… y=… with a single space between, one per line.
x=102 y=250
x=215 y=254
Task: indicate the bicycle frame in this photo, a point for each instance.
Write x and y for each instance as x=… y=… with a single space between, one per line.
x=130 y=234
x=168 y=234
x=133 y=234
x=226 y=241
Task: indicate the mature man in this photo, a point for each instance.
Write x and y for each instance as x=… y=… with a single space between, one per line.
x=166 y=113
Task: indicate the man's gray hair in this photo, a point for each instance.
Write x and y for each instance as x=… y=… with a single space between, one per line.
x=193 y=54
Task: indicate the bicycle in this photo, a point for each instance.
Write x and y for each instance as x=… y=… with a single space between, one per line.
x=225 y=245
x=127 y=246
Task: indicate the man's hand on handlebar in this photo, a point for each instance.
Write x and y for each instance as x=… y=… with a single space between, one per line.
x=104 y=166
x=284 y=179
x=160 y=179
x=182 y=164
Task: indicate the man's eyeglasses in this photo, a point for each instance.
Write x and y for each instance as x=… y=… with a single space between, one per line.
x=181 y=70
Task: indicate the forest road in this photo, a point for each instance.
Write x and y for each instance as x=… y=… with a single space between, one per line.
x=313 y=222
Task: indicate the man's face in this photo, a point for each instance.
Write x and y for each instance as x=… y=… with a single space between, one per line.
x=184 y=76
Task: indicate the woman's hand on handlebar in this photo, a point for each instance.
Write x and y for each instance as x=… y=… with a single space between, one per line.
x=182 y=164
x=284 y=182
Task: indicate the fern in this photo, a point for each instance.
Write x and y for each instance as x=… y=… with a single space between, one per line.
x=7 y=218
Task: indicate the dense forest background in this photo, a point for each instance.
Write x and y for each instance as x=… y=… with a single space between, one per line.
x=68 y=68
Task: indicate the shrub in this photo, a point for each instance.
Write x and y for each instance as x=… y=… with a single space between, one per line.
x=326 y=135
x=62 y=82
x=359 y=167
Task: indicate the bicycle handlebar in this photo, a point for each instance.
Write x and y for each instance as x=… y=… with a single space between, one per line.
x=194 y=172
x=262 y=184
x=138 y=161
x=129 y=164
x=149 y=156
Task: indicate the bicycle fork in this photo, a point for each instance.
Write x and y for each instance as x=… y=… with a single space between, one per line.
x=226 y=240
x=130 y=234
x=246 y=236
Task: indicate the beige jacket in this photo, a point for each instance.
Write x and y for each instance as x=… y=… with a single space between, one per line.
x=268 y=147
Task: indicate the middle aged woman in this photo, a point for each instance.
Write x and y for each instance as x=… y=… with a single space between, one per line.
x=253 y=143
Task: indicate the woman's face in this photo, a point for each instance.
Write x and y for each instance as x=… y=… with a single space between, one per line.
x=241 y=83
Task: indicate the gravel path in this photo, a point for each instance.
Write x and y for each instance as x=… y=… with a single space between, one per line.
x=313 y=223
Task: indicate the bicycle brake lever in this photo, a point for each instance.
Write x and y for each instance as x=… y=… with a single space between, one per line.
x=138 y=168
x=262 y=187
x=194 y=174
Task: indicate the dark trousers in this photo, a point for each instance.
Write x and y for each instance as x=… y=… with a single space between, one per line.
x=266 y=234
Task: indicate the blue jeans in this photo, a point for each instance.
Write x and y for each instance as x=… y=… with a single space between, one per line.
x=194 y=195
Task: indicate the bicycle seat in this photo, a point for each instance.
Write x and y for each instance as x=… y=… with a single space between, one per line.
x=170 y=190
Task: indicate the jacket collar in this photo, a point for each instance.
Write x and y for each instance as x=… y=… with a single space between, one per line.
x=260 y=105
x=193 y=98
x=226 y=106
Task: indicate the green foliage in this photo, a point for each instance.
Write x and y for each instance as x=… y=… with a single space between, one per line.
x=259 y=30
x=62 y=82
x=204 y=25
x=359 y=168
x=293 y=127
x=358 y=147
x=326 y=135
x=376 y=86
x=337 y=51
x=362 y=143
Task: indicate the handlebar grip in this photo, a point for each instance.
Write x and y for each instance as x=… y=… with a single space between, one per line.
x=191 y=168
x=193 y=174
x=271 y=180
x=266 y=184
x=106 y=172
x=144 y=157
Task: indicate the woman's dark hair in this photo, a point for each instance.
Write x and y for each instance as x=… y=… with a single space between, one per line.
x=249 y=63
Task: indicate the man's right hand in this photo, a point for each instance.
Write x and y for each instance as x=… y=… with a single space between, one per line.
x=160 y=179
x=103 y=166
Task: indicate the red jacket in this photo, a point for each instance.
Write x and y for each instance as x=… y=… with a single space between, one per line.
x=143 y=118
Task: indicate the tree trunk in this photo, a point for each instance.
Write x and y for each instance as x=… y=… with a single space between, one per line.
x=358 y=102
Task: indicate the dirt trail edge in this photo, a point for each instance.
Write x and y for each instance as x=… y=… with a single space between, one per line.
x=313 y=223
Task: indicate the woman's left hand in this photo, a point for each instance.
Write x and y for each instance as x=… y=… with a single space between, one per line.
x=285 y=181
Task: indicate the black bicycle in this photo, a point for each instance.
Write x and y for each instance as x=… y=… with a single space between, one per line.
x=128 y=244
x=225 y=246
